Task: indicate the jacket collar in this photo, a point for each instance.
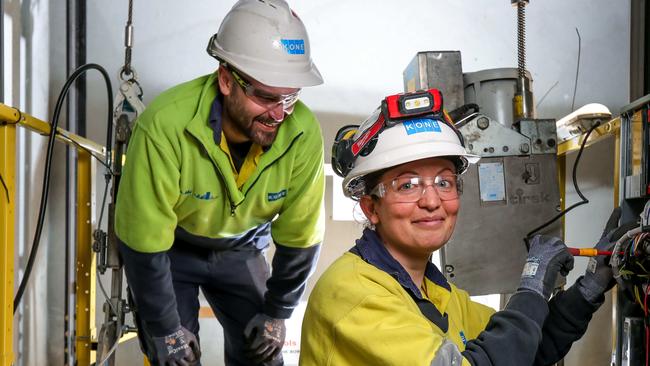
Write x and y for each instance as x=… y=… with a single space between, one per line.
x=370 y=248
x=200 y=127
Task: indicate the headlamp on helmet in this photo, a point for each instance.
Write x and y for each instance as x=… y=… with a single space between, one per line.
x=354 y=140
x=408 y=105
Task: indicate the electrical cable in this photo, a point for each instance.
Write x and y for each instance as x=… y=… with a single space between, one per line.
x=5 y=187
x=125 y=72
x=546 y=94
x=575 y=185
x=108 y=178
x=101 y=286
x=575 y=85
x=48 y=164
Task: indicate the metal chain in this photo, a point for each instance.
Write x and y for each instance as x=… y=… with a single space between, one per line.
x=127 y=71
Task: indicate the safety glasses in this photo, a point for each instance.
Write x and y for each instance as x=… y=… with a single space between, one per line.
x=263 y=98
x=405 y=189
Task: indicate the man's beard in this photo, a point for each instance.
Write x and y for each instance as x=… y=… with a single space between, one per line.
x=246 y=125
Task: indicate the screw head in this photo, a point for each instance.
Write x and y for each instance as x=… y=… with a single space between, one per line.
x=483 y=123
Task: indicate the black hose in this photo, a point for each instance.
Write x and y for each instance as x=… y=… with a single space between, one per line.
x=48 y=164
x=575 y=185
x=463 y=111
x=4 y=185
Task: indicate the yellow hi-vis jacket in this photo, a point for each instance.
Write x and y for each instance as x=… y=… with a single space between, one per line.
x=365 y=310
x=360 y=315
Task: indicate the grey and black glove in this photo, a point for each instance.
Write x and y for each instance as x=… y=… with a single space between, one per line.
x=548 y=256
x=264 y=339
x=599 y=277
x=180 y=348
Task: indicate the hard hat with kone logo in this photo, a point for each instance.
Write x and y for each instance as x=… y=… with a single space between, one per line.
x=406 y=127
x=267 y=41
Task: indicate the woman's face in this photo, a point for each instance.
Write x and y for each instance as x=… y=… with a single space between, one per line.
x=414 y=229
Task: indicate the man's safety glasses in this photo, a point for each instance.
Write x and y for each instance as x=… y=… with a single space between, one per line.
x=411 y=188
x=263 y=98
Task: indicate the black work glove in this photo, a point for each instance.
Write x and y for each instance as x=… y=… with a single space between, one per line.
x=264 y=338
x=548 y=256
x=180 y=348
x=599 y=277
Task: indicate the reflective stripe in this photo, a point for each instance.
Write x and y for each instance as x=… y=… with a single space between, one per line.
x=448 y=355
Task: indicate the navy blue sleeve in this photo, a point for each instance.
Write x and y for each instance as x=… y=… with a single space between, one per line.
x=290 y=269
x=150 y=279
x=512 y=335
x=569 y=316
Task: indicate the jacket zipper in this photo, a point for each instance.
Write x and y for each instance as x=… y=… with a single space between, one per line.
x=233 y=207
x=271 y=163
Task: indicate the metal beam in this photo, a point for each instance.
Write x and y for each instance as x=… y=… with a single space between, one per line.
x=85 y=264
x=15 y=116
x=7 y=239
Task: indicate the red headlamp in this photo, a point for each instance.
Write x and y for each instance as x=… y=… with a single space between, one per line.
x=394 y=109
x=408 y=105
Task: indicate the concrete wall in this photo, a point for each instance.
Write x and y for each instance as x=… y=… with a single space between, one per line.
x=361 y=48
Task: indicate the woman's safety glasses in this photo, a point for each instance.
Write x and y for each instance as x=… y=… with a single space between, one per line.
x=410 y=188
x=263 y=98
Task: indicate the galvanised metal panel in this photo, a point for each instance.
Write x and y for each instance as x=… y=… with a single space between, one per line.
x=486 y=252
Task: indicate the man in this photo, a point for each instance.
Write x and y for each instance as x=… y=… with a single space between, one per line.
x=217 y=168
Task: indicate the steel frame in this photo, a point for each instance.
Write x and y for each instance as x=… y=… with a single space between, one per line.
x=10 y=118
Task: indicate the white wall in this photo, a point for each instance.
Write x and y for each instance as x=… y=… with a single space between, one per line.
x=361 y=48
x=26 y=75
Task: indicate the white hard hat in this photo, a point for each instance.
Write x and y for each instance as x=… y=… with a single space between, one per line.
x=266 y=40
x=408 y=140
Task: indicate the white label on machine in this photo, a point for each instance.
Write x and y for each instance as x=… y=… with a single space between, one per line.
x=491 y=182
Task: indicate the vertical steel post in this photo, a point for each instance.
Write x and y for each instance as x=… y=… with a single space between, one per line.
x=7 y=242
x=76 y=56
x=7 y=212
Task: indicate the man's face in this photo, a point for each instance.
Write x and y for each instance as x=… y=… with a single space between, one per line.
x=253 y=111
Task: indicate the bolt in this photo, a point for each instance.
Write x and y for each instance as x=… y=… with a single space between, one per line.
x=449 y=268
x=483 y=123
x=505 y=149
x=551 y=142
x=491 y=150
x=524 y=148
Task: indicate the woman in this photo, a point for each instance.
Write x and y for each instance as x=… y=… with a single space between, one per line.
x=384 y=302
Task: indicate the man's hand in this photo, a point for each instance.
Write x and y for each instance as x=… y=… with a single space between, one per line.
x=180 y=348
x=548 y=256
x=599 y=277
x=265 y=338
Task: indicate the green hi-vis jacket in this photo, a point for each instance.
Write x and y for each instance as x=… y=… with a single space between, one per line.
x=177 y=182
x=175 y=175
